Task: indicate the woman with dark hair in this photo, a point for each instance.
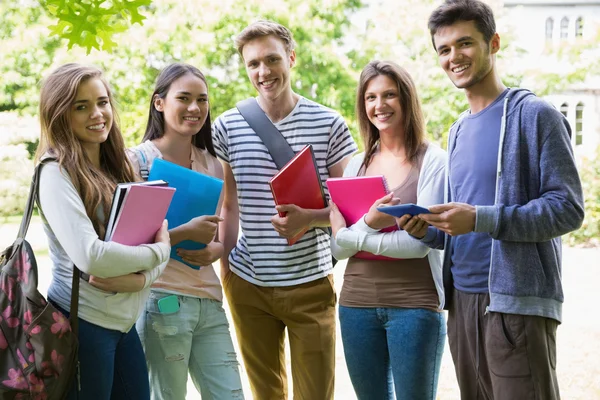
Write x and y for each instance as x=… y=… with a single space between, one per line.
x=192 y=337
x=79 y=131
x=391 y=318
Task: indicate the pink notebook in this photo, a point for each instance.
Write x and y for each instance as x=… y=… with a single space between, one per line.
x=141 y=214
x=354 y=196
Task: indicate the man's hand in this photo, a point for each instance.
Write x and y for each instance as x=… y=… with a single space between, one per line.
x=453 y=218
x=414 y=225
x=202 y=229
x=202 y=258
x=120 y=284
x=296 y=219
x=336 y=219
x=378 y=220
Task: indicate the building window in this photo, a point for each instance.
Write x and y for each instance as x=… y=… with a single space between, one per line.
x=579 y=27
x=579 y=124
x=549 y=28
x=564 y=109
x=564 y=28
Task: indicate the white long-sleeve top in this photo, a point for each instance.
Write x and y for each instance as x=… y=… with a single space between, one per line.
x=73 y=240
x=399 y=244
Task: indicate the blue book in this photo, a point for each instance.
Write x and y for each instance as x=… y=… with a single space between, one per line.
x=197 y=194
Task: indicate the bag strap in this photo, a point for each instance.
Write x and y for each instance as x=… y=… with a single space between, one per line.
x=143 y=163
x=33 y=191
x=280 y=150
x=33 y=196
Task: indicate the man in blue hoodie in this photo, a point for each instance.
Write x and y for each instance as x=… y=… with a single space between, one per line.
x=512 y=191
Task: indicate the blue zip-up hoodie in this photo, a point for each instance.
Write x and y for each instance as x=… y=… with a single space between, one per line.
x=538 y=198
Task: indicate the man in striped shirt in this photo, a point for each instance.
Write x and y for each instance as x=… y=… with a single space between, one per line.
x=272 y=285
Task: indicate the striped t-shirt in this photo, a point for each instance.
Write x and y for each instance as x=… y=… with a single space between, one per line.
x=261 y=256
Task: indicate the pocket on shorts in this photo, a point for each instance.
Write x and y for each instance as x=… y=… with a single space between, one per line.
x=506 y=345
x=332 y=285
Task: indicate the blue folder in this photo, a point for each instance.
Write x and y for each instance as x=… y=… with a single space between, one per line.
x=197 y=194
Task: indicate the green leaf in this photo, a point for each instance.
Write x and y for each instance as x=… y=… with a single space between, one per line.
x=93 y=23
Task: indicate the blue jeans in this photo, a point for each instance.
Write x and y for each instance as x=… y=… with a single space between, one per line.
x=194 y=339
x=111 y=363
x=389 y=348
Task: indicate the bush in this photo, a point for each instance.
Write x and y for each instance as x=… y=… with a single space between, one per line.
x=589 y=233
x=17 y=144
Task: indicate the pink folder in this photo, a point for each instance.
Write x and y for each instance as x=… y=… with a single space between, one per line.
x=354 y=196
x=141 y=214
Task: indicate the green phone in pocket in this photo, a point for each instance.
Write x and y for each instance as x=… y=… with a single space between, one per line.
x=168 y=305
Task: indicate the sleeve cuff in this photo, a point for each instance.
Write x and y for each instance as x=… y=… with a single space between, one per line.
x=148 y=276
x=361 y=226
x=165 y=252
x=486 y=218
x=429 y=237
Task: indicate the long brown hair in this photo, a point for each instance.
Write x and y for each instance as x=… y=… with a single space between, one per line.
x=414 y=124
x=95 y=185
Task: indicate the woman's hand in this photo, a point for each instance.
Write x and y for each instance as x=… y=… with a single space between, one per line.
x=336 y=219
x=202 y=258
x=202 y=229
x=120 y=284
x=162 y=236
x=376 y=219
x=415 y=226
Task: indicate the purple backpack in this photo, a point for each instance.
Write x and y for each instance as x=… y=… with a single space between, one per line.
x=38 y=344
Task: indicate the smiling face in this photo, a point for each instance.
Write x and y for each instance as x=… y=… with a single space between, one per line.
x=91 y=115
x=185 y=106
x=382 y=104
x=268 y=66
x=464 y=54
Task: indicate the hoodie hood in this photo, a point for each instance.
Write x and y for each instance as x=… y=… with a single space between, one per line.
x=516 y=97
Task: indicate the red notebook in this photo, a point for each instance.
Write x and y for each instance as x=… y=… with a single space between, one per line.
x=299 y=183
x=354 y=196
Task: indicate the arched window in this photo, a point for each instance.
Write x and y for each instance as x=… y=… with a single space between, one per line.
x=564 y=109
x=579 y=27
x=549 y=28
x=579 y=124
x=564 y=28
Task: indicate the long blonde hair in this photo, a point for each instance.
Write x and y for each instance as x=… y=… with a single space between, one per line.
x=95 y=185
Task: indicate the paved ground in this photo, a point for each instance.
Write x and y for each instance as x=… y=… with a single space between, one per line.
x=578 y=336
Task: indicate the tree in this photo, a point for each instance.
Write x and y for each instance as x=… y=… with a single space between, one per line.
x=27 y=51
x=183 y=31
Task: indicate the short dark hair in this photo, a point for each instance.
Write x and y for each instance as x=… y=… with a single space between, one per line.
x=463 y=10
x=156 y=120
